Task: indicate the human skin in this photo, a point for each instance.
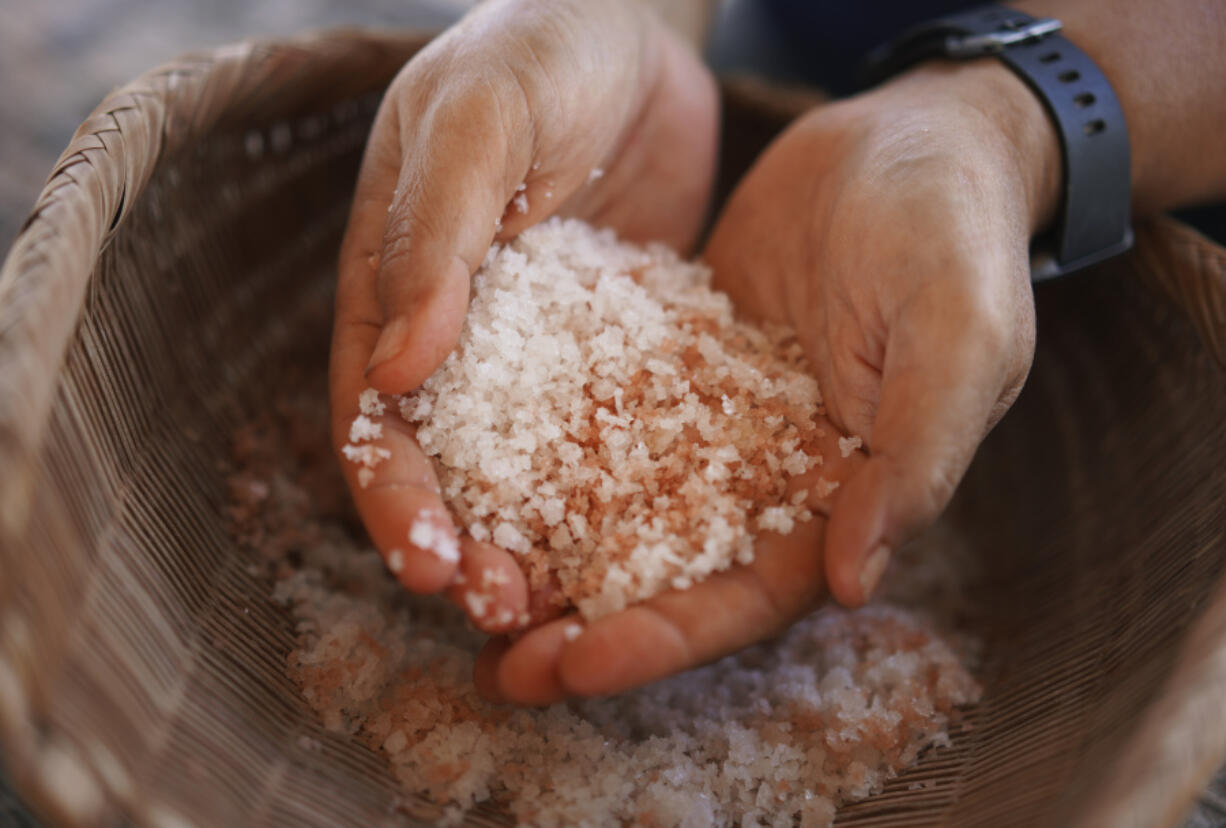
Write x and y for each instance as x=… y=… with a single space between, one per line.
x=890 y=229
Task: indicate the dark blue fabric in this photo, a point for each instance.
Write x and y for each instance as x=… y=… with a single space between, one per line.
x=828 y=39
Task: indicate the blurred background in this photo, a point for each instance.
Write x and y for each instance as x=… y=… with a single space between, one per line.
x=59 y=58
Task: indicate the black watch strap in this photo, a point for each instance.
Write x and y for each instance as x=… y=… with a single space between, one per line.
x=1094 y=222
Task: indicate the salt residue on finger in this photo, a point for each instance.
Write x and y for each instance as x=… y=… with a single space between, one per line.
x=607 y=418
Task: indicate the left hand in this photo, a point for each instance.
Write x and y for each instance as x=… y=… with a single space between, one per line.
x=891 y=230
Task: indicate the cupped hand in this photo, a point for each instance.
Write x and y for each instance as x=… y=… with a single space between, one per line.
x=524 y=109
x=891 y=230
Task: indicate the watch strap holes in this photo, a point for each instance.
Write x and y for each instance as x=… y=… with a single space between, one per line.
x=1095 y=127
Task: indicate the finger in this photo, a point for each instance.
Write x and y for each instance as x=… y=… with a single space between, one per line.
x=493 y=590
x=461 y=161
x=399 y=494
x=949 y=365
x=673 y=631
x=394 y=492
x=527 y=672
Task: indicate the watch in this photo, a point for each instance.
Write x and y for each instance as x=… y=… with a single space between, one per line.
x=1094 y=218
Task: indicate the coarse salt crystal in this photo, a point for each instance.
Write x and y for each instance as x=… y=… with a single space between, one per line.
x=494 y=577
x=366 y=455
x=596 y=173
x=572 y=631
x=849 y=444
x=363 y=429
x=430 y=538
x=366 y=476
x=370 y=404
x=825 y=487
x=477 y=603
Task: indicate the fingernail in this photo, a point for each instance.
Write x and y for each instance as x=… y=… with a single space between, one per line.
x=390 y=343
x=871 y=572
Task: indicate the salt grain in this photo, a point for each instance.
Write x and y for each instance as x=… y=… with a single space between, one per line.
x=849 y=444
x=363 y=429
x=370 y=404
x=395 y=560
x=572 y=631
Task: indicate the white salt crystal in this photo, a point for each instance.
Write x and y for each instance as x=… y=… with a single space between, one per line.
x=477 y=603
x=365 y=476
x=508 y=537
x=370 y=404
x=367 y=455
x=849 y=444
x=494 y=577
x=596 y=173
x=776 y=519
x=572 y=631
x=364 y=428
x=430 y=538
x=395 y=560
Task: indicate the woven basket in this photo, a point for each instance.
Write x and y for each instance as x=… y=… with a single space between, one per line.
x=184 y=248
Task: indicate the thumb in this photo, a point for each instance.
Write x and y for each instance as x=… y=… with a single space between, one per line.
x=454 y=184
x=950 y=372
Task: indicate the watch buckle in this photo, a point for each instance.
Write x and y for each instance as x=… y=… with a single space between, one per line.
x=1010 y=33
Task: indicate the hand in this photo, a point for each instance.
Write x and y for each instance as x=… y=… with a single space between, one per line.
x=520 y=91
x=891 y=231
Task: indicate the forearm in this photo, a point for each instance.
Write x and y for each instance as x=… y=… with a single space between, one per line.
x=1168 y=68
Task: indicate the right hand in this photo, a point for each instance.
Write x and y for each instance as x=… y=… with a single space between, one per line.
x=527 y=91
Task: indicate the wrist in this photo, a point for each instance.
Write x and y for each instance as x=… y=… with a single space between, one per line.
x=1007 y=121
